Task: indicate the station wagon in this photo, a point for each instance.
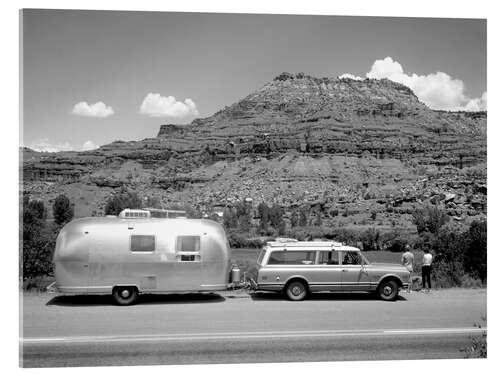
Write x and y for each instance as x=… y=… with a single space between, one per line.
x=298 y=268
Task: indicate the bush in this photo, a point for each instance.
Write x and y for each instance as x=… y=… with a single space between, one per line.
x=475 y=250
x=264 y=215
x=230 y=218
x=394 y=241
x=62 y=210
x=429 y=219
x=370 y=239
x=38 y=240
x=238 y=241
x=446 y=275
x=118 y=202
x=303 y=214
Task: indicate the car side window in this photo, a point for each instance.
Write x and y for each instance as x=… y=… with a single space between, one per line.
x=292 y=257
x=351 y=258
x=328 y=257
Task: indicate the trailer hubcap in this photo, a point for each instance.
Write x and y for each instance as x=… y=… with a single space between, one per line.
x=296 y=290
x=125 y=293
x=387 y=290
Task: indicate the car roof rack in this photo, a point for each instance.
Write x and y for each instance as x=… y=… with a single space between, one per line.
x=295 y=243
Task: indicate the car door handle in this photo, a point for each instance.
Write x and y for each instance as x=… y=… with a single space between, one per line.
x=345 y=270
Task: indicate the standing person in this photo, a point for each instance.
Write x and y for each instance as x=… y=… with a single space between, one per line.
x=426 y=269
x=407 y=261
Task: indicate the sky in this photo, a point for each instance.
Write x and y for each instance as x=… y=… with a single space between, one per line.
x=92 y=77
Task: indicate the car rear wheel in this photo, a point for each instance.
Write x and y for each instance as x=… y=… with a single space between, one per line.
x=388 y=290
x=125 y=295
x=296 y=290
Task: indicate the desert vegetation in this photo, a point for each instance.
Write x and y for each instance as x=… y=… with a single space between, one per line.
x=459 y=250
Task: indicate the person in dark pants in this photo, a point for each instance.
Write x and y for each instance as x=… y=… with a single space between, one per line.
x=426 y=270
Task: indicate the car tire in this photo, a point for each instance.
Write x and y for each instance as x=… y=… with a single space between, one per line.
x=125 y=295
x=296 y=290
x=388 y=290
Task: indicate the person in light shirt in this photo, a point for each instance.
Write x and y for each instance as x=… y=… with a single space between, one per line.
x=407 y=261
x=426 y=270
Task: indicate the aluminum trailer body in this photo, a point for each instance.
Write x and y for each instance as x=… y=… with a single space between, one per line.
x=153 y=255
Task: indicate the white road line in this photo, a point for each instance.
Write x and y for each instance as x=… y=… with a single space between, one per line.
x=247 y=335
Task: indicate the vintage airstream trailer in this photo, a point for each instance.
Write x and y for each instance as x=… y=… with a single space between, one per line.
x=135 y=253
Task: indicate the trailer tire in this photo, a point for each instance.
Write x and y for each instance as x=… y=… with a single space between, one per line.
x=125 y=295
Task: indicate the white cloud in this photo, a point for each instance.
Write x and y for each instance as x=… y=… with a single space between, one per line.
x=437 y=90
x=89 y=145
x=478 y=104
x=43 y=145
x=351 y=76
x=98 y=109
x=155 y=105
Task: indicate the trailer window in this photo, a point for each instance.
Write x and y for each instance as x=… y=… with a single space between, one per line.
x=188 y=243
x=188 y=249
x=142 y=243
x=292 y=257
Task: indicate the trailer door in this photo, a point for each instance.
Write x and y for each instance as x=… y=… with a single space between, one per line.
x=188 y=256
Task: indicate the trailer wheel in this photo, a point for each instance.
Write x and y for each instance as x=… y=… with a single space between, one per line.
x=125 y=295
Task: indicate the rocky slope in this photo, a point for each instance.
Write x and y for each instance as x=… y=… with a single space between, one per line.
x=336 y=144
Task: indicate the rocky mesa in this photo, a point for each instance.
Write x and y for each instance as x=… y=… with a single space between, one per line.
x=338 y=145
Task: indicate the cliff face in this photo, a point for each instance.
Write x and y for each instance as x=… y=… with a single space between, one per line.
x=297 y=139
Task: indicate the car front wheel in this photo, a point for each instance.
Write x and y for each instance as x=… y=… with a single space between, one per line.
x=296 y=291
x=388 y=290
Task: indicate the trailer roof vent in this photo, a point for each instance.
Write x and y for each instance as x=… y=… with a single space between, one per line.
x=134 y=214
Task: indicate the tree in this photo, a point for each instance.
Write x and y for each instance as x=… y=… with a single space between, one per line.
x=62 y=209
x=276 y=215
x=243 y=215
x=229 y=218
x=118 y=202
x=449 y=247
x=370 y=239
x=294 y=219
x=475 y=250
x=264 y=215
x=37 y=240
x=303 y=211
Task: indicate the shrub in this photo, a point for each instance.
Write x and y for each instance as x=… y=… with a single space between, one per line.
x=475 y=250
x=429 y=219
x=294 y=219
x=276 y=215
x=237 y=240
x=120 y=201
x=38 y=240
x=230 y=218
x=62 y=210
x=477 y=347
x=303 y=213
x=370 y=239
x=264 y=212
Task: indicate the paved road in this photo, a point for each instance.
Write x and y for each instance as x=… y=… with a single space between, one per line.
x=234 y=327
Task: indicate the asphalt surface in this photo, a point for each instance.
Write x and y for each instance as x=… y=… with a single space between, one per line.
x=234 y=327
